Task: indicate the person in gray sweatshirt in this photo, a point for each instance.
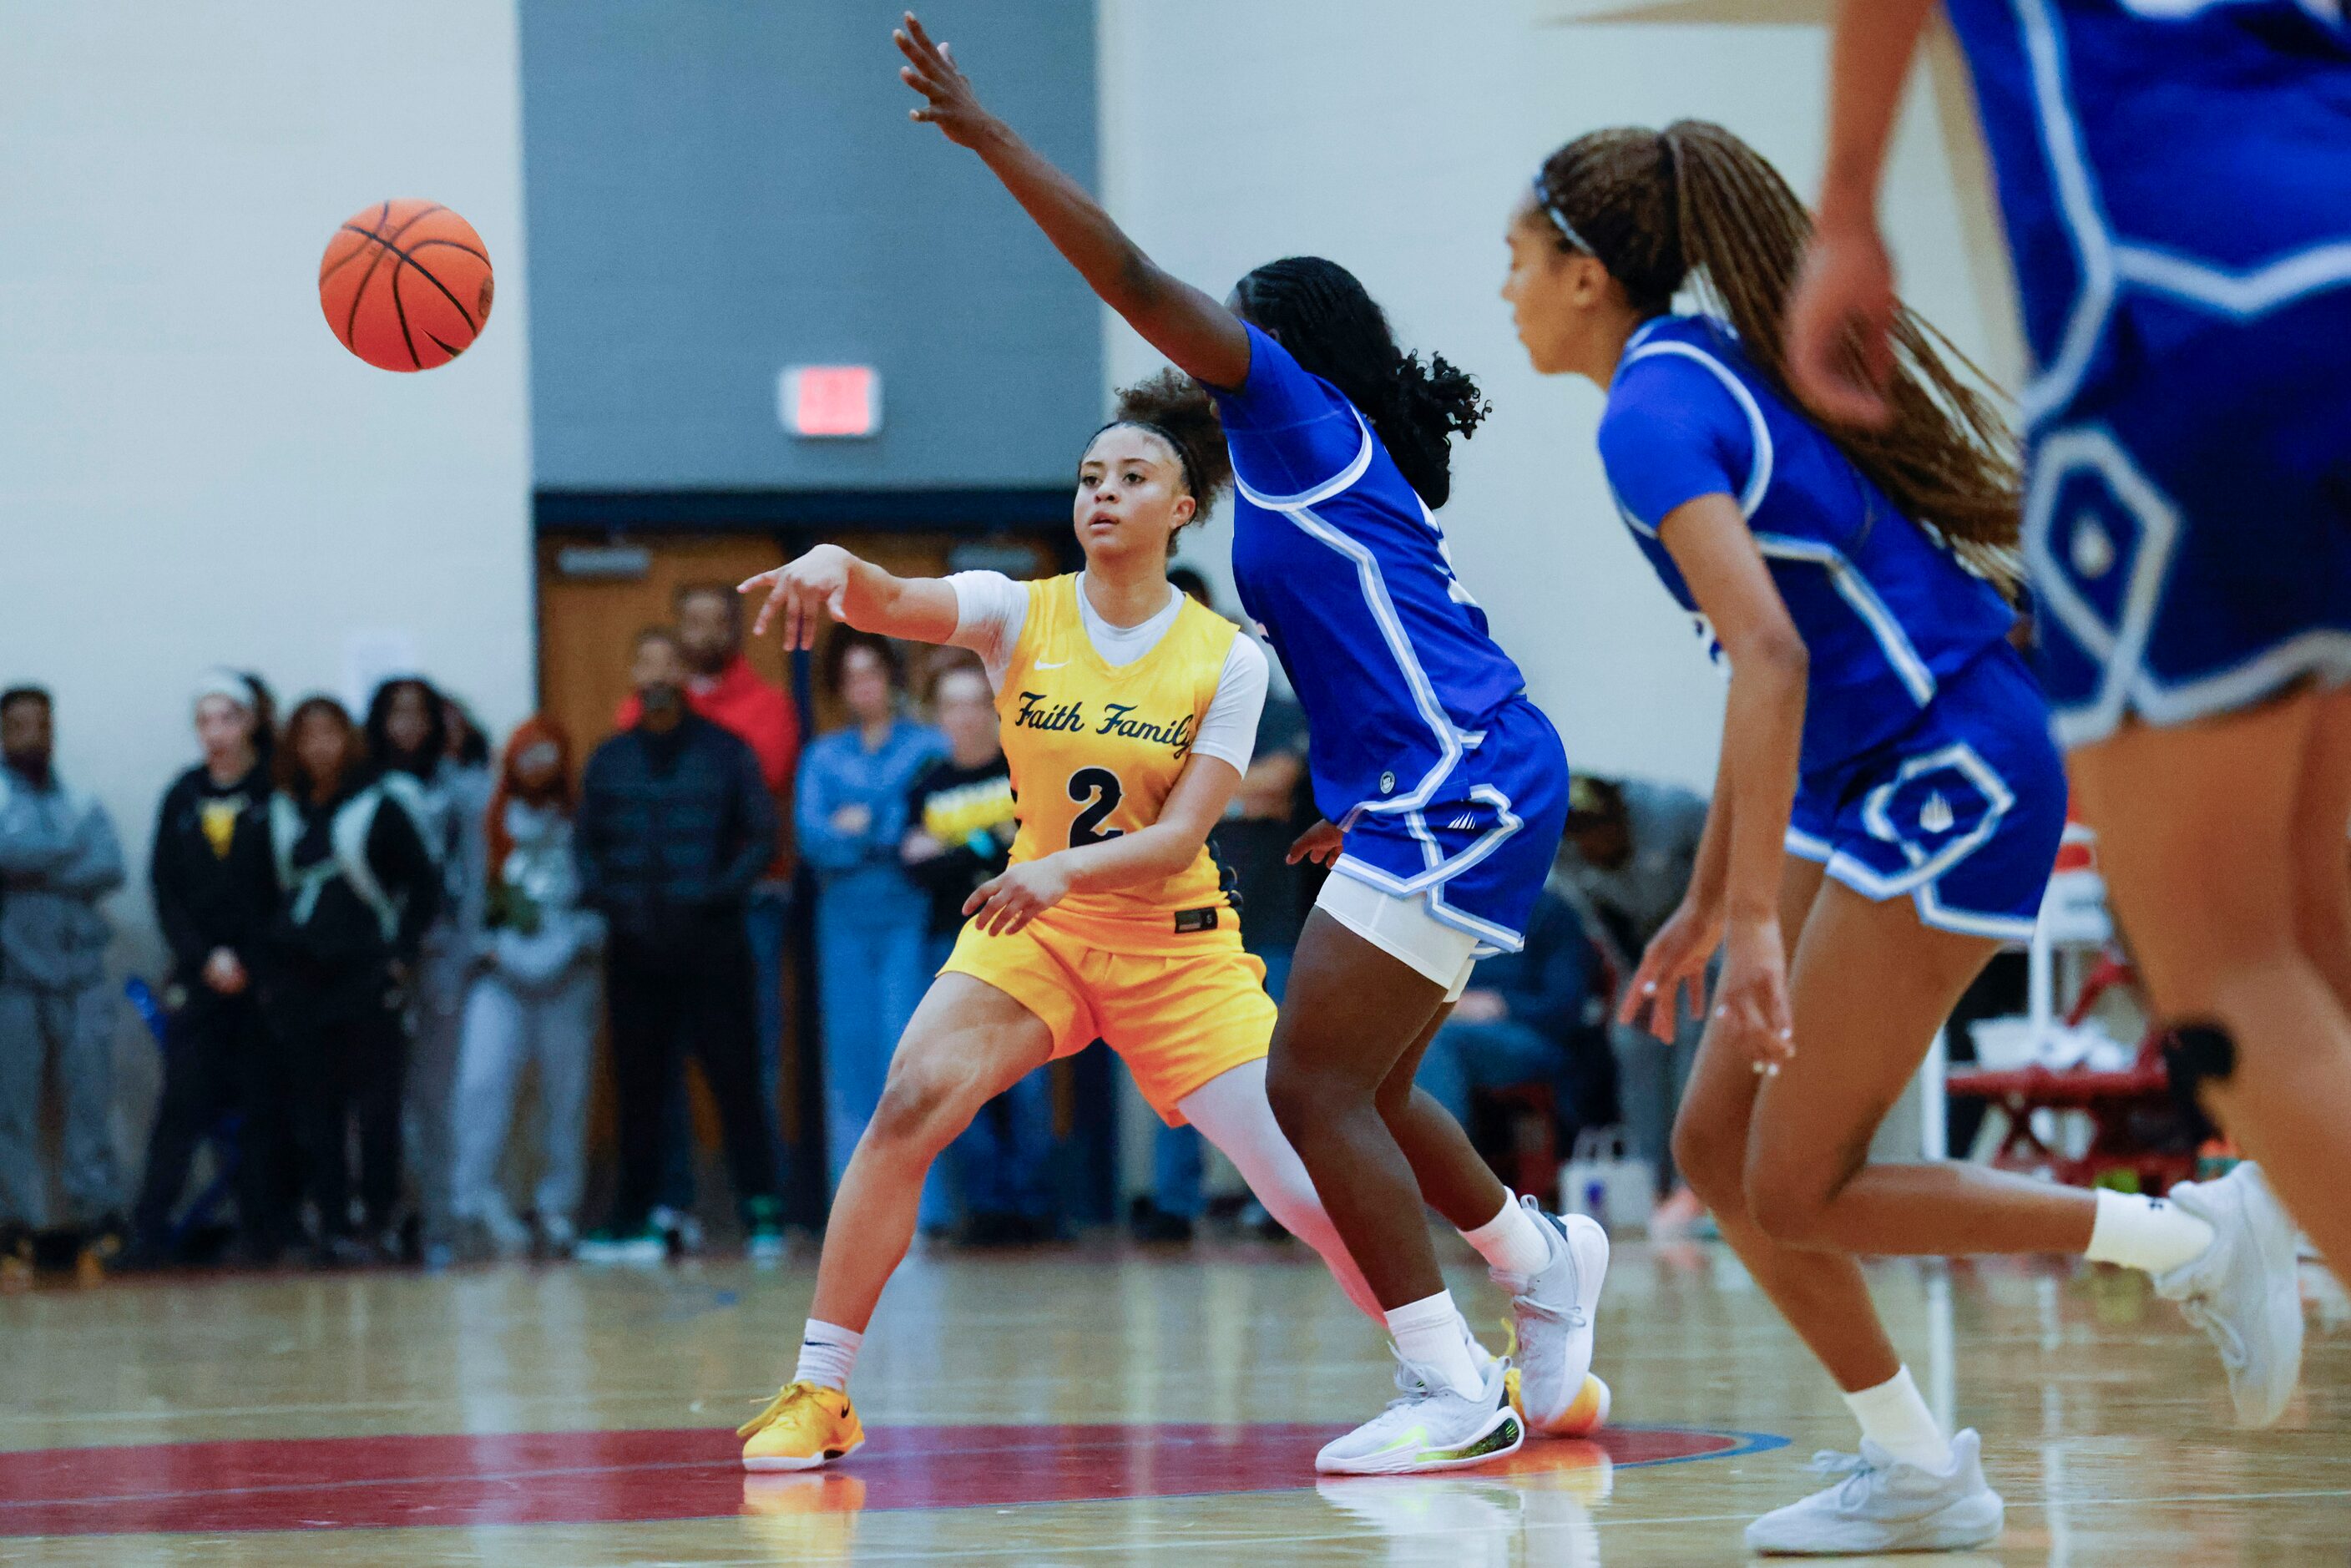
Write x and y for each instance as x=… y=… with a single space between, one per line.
x=535 y=1000
x=59 y=859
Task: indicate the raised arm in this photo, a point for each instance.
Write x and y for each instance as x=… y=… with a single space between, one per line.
x=829 y=580
x=1203 y=339
x=1840 y=353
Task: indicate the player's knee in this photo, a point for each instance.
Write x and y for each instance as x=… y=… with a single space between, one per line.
x=1297 y=1095
x=921 y=1110
x=1791 y=1203
x=1711 y=1160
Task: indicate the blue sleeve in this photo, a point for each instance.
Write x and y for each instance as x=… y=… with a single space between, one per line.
x=1288 y=430
x=1672 y=432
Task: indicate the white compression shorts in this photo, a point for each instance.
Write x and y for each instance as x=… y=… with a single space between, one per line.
x=1404 y=929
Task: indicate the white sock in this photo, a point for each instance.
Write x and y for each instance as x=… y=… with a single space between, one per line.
x=2145 y=1233
x=1514 y=1241
x=1897 y=1419
x=1429 y=1333
x=828 y=1355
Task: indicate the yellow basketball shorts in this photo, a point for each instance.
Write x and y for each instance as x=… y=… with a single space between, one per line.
x=1176 y=1020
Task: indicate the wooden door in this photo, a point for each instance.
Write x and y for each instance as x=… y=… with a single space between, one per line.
x=589 y=621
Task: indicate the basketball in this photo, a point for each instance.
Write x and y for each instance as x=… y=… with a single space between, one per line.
x=1588 y=1412
x=405 y=285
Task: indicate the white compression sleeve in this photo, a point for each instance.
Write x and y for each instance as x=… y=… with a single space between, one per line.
x=1232 y=1112
x=1229 y=729
x=990 y=610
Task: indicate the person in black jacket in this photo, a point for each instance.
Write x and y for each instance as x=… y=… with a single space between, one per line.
x=355 y=889
x=208 y=871
x=675 y=828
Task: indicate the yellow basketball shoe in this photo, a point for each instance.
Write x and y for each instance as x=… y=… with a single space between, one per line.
x=805 y=1426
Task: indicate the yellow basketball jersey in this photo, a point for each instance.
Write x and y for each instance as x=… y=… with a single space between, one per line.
x=1094 y=751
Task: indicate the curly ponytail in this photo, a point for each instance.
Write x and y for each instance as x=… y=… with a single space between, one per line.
x=1335 y=329
x=1694 y=206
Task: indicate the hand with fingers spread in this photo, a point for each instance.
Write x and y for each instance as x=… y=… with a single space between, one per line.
x=1751 y=1015
x=949 y=102
x=1673 y=968
x=1320 y=843
x=803 y=591
x=1840 y=326
x=1005 y=903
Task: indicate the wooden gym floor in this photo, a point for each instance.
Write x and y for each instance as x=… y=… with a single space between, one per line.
x=1090 y=1406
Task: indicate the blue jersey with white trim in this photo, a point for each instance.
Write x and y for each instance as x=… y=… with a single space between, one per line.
x=1887 y=613
x=1336 y=558
x=2163 y=165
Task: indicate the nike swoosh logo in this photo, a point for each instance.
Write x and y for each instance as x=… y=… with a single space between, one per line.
x=1043 y=666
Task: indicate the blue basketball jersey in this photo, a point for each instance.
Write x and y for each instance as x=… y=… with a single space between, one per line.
x=2165 y=167
x=1336 y=558
x=1886 y=611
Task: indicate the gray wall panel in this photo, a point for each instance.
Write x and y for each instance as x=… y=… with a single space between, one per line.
x=717 y=188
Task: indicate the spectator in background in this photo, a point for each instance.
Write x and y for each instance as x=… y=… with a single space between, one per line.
x=209 y=873
x=1627 y=859
x=675 y=826
x=536 y=1002
x=58 y=860
x=960 y=826
x=416 y=752
x=1536 y=1016
x=870 y=919
x=1252 y=843
x=356 y=890
x=468 y=747
x=722 y=686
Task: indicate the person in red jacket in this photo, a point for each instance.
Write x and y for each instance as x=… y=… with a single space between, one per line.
x=724 y=688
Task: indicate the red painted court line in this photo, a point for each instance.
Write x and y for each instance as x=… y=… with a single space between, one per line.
x=598 y=1478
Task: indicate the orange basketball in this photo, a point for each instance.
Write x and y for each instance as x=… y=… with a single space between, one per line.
x=405 y=285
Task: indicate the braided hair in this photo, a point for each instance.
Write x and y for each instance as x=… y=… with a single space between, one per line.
x=1694 y=204
x=1336 y=330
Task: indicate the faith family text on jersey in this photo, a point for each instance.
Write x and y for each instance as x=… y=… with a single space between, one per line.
x=1118 y=719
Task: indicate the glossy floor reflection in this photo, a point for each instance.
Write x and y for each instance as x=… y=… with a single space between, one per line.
x=1081 y=1406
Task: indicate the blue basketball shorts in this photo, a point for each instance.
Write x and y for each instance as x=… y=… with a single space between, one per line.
x=1480 y=850
x=2188 y=518
x=1960 y=813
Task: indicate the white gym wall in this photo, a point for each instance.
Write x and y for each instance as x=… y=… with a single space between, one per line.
x=192 y=471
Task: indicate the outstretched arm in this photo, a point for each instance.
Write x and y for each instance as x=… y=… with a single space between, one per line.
x=1203 y=339
x=829 y=580
x=1839 y=353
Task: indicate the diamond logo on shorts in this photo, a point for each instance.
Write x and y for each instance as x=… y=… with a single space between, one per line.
x=1464 y=823
x=2092 y=548
x=1935 y=816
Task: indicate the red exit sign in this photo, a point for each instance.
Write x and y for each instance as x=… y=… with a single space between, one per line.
x=829 y=401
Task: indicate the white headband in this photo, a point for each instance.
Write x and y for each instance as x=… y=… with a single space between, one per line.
x=221 y=682
x=1566 y=230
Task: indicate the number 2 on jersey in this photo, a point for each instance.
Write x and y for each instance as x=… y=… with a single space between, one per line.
x=1100 y=786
